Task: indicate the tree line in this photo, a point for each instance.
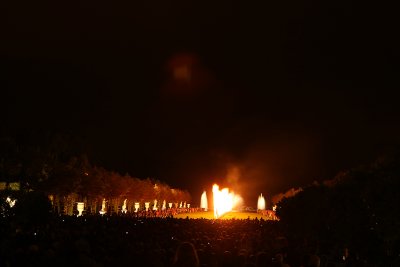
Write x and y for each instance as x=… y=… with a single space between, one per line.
x=57 y=168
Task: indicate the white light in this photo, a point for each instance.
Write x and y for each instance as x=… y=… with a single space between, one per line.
x=11 y=202
x=103 y=207
x=203 y=201
x=137 y=205
x=124 y=210
x=80 y=207
x=261 y=203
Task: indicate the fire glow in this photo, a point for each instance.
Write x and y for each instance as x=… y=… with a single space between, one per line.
x=224 y=201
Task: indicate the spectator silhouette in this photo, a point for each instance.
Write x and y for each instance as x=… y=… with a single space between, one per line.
x=186 y=256
x=311 y=260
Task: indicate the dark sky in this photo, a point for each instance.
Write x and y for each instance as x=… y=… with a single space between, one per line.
x=260 y=96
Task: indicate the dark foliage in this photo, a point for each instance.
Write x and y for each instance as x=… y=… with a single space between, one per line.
x=33 y=208
x=357 y=210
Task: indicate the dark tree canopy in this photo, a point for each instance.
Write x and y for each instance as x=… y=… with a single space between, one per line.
x=358 y=209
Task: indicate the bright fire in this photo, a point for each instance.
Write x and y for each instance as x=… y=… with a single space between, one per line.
x=224 y=201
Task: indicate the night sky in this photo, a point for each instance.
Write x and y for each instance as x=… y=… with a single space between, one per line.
x=259 y=96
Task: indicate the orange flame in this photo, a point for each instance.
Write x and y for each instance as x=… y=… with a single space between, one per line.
x=224 y=201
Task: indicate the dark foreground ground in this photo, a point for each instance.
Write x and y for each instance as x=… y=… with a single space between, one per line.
x=124 y=241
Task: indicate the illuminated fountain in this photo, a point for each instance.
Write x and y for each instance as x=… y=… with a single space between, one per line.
x=155 y=204
x=124 y=210
x=137 y=206
x=170 y=205
x=147 y=205
x=203 y=201
x=80 y=206
x=224 y=201
x=103 y=207
x=261 y=203
x=164 y=205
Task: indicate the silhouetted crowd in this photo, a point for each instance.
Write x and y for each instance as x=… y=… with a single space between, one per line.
x=160 y=242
